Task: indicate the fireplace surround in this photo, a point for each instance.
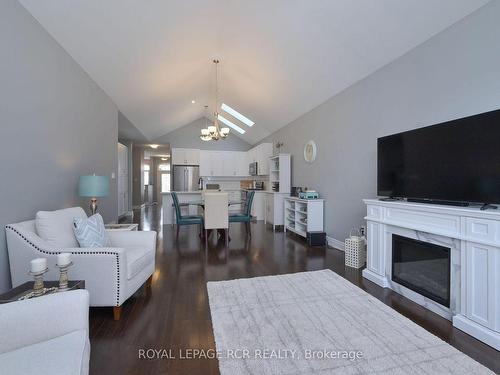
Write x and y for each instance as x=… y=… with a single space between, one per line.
x=471 y=239
x=422 y=267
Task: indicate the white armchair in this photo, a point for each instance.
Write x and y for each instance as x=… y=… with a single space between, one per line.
x=48 y=335
x=112 y=274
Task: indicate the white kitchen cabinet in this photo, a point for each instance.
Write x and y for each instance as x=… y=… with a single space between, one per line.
x=259 y=205
x=230 y=164
x=252 y=155
x=265 y=151
x=243 y=164
x=185 y=156
x=204 y=163
x=235 y=163
x=280 y=172
x=223 y=163
x=275 y=204
x=212 y=163
x=261 y=155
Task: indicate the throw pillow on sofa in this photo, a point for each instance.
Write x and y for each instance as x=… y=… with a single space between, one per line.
x=56 y=227
x=90 y=232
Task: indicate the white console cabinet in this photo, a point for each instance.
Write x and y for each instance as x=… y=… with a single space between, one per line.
x=473 y=237
x=303 y=215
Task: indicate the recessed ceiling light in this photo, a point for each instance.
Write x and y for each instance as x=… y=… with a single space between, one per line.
x=193 y=101
x=154 y=146
x=237 y=115
x=230 y=124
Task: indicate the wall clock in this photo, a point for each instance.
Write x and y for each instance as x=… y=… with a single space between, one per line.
x=310 y=150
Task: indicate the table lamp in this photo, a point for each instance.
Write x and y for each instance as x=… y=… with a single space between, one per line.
x=93 y=187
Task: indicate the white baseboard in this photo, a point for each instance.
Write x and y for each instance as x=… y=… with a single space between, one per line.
x=332 y=242
x=484 y=334
x=375 y=278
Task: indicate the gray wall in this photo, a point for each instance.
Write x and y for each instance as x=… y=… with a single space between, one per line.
x=130 y=147
x=56 y=124
x=188 y=136
x=454 y=74
x=137 y=176
x=127 y=130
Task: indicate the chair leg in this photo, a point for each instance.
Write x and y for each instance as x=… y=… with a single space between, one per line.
x=249 y=232
x=177 y=237
x=117 y=312
x=206 y=240
x=227 y=236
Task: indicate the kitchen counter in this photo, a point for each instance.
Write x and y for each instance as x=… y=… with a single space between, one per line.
x=183 y=192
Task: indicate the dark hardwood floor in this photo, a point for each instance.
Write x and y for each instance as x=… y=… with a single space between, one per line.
x=176 y=314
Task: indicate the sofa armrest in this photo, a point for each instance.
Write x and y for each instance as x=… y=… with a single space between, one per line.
x=104 y=270
x=31 y=321
x=127 y=239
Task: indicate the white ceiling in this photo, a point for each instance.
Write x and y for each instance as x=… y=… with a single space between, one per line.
x=279 y=58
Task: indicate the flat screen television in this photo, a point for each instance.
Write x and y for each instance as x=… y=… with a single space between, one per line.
x=456 y=161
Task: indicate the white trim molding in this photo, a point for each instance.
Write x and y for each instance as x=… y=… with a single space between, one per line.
x=336 y=244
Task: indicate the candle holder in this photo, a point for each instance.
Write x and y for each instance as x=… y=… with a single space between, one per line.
x=63 y=276
x=38 y=289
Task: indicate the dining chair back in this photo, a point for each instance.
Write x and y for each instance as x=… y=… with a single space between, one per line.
x=176 y=207
x=216 y=212
x=247 y=210
x=246 y=215
x=184 y=219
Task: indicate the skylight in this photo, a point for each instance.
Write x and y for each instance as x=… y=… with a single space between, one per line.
x=237 y=115
x=230 y=124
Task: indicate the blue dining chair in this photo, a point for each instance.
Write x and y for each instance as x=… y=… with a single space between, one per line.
x=245 y=216
x=185 y=219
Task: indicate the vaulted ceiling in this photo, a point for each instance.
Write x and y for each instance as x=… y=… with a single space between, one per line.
x=279 y=58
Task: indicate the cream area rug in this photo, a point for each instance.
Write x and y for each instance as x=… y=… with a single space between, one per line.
x=319 y=323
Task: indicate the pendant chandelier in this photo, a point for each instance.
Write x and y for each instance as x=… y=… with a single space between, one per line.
x=214 y=132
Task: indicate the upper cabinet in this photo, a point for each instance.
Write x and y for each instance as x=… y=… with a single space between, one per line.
x=225 y=163
x=211 y=163
x=261 y=155
x=235 y=163
x=185 y=156
x=265 y=151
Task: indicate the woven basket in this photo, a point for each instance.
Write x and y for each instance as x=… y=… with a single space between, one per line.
x=355 y=250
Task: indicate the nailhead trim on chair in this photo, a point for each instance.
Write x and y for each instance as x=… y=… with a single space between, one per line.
x=77 y=253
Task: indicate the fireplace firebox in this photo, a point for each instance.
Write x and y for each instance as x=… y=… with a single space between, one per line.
x=422 y=267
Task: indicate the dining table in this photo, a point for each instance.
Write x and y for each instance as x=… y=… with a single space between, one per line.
x=201 y=204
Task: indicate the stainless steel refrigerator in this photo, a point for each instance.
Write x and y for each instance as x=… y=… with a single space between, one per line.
x=186 y=177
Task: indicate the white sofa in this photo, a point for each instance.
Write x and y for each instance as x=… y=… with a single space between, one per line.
x=46 y=335
x=112 y=274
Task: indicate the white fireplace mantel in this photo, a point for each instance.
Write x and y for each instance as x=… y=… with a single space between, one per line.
x=474 y=239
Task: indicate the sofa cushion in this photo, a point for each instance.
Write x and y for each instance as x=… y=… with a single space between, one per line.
x=90 y=232
x=56 y=227
x=66 y=355
x=137 y=259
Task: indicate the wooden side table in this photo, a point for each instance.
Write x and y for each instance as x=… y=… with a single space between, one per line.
x=23 y=289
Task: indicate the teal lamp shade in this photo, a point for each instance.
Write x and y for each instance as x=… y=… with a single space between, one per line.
x=93 y=186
